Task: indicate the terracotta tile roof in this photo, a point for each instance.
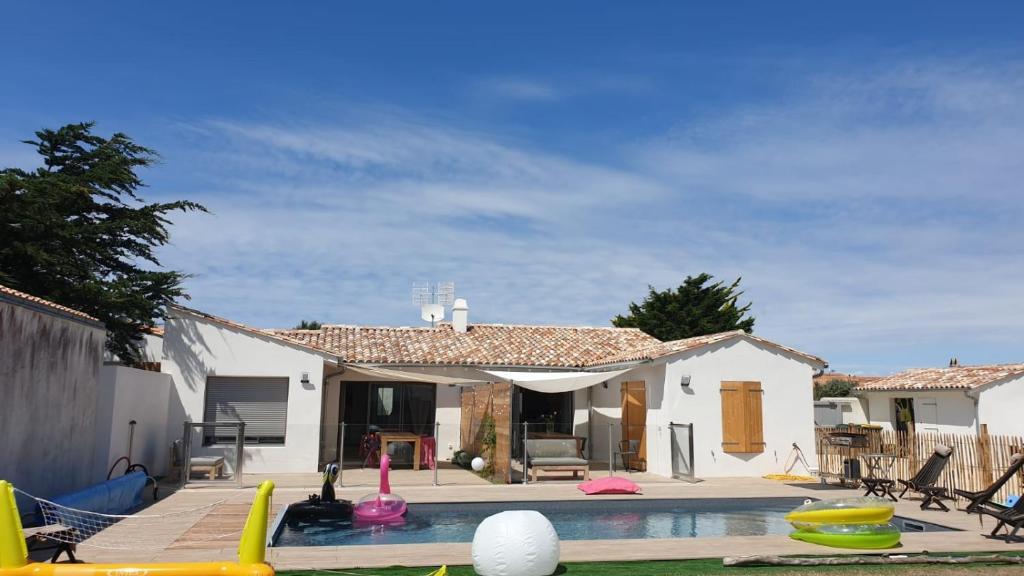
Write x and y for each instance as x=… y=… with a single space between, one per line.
x=952 y=378
x=481 y=345
x=857 y=378
x=45 y=303
x=661 y=349
x=155 y=331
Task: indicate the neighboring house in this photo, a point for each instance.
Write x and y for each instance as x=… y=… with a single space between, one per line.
x=749 y=399
x=957 y=399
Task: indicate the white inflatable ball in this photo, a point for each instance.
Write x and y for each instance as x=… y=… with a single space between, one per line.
x=515 y=543
x=477 y=464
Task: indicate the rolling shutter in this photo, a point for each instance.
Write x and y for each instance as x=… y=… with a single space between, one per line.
x=262 y=403
x=742 y=420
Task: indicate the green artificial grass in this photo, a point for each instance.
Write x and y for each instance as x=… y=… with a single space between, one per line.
x=668 y=568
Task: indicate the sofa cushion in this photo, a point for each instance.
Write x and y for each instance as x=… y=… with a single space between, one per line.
x=551 y=448
x=557 y=462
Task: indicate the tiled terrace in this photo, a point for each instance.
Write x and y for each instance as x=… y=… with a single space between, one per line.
x=214 y=535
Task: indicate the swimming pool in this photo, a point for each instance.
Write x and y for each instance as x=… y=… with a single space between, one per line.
x=573 y=520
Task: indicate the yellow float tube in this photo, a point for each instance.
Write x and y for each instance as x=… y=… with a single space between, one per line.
x=252 y=548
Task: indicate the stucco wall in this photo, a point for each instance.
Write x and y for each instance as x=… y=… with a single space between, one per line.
x=49 y=368
x=787 y=408
x=999 y=406
x=944 y=411
x=127 y=394
x=195 y=348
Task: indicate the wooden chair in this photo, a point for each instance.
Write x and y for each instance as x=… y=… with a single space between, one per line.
x=629 y=451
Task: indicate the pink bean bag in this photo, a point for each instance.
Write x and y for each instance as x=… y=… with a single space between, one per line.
x=609 y=485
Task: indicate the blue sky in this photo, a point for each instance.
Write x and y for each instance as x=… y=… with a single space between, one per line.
x=859 y=166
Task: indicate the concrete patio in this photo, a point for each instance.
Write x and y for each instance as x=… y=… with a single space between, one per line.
x=214 y=534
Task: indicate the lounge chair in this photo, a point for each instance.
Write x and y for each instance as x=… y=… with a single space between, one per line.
x=978 y=499
x=924 y=481
x=1012 y=517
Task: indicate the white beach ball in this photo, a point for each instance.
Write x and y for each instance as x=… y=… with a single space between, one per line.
x=515 y=543
x=477 y=464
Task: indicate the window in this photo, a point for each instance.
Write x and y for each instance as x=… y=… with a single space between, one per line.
x=742 y=429
x=262 y=403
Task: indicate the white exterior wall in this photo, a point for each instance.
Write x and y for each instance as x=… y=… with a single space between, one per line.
x=49 y=372
x=195 y=347
x=999 y=405
x=606 y=415
x=127 y=394
x=943 y=411
x=787 y=408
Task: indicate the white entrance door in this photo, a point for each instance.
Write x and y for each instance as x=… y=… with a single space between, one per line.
x=927 y=415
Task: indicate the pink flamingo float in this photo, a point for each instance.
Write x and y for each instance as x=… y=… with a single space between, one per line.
x=382 y=506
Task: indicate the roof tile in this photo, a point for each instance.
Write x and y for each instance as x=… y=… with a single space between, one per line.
x=45 y=303
x=952 y=378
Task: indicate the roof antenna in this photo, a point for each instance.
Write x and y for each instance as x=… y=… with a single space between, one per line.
x=432 y=299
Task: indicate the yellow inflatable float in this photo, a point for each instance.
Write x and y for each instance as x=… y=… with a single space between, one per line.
x=842 y=511
x=251 y=548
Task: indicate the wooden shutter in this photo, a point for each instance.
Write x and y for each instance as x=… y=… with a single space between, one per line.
x=742 y=421
x=755 y=426
x=733 y=435
x=262 y=403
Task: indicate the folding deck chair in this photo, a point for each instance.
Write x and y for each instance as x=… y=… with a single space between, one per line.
x=978 y=499
x=1012 y=517
x=924 y=481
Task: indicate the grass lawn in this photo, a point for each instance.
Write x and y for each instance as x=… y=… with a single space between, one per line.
x=692 y=567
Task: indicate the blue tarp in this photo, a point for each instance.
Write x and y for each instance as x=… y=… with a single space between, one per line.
x=117 y=496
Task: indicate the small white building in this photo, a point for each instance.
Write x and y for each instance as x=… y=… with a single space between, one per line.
x=749 y=400
x=957 y=399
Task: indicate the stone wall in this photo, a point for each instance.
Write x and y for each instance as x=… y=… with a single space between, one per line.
x=478 y=402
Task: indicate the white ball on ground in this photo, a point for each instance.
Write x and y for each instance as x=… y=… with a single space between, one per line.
x=515 y=543
x=477 y=464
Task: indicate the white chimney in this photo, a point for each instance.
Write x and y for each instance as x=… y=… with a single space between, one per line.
x=460 y=315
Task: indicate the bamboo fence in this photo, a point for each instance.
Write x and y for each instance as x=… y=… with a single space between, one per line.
x=977 y=460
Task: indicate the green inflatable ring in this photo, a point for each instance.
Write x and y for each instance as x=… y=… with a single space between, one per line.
x=858 y=536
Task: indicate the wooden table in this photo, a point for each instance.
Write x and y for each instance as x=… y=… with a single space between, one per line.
x=386 y=437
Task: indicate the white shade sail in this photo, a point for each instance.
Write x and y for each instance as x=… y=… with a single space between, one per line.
x=553 y=382
x=394 y=375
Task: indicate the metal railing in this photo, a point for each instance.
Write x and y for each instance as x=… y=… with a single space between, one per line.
x=214 y=452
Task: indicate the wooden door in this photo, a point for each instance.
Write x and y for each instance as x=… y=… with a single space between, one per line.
x=634 y=420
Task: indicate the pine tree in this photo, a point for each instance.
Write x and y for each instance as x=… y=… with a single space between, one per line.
x=695 y=308
x=76 y=232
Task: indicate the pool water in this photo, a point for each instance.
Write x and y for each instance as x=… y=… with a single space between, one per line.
x=575 y=520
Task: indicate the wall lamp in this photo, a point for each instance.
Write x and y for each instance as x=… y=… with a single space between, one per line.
x=305 y=378
x=684 y=381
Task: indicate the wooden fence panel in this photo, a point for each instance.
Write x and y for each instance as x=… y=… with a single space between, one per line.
x=976 y=462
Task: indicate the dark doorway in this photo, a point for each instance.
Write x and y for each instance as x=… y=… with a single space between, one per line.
x=550 y=412
x=904 y=414
x=386 y=407
x=547 y=413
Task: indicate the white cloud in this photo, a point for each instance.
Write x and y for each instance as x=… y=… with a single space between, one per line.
x=875 y=218
x=513 y=88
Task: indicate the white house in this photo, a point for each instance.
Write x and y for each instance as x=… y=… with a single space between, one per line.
x=957 y=399
x=749 y=400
